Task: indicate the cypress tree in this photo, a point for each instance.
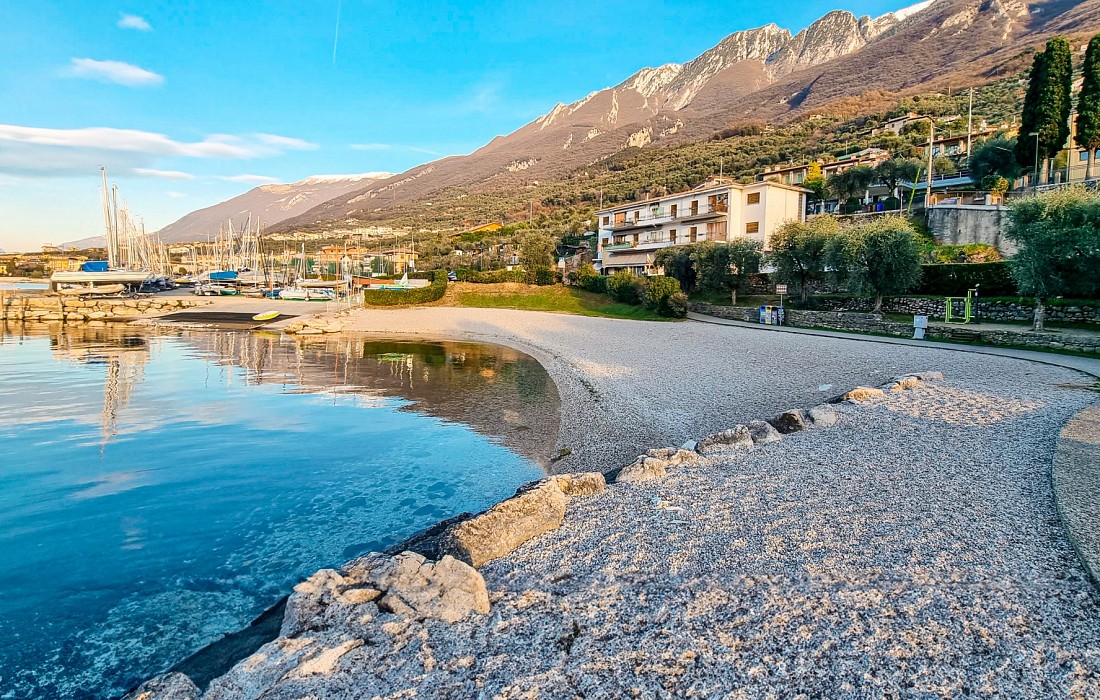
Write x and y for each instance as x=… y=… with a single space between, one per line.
x=1029 y=118
x=1047 y=105
x=1088 y=106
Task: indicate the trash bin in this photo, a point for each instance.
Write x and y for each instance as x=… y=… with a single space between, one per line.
x=772 y=315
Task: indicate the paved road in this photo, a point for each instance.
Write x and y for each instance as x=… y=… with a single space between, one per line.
x=1083 y=364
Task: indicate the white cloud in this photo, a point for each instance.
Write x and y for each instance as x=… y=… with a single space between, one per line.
x=40 y=151
x=114 y=72
x=285 y=142
x=175 y=195
x=390 y=147
x=126 y=21
x=251 y=179
x=166 y=174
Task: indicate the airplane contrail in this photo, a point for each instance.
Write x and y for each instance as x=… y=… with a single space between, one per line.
x=336 y=36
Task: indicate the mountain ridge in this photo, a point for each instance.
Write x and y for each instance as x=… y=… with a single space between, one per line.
x=765 y=74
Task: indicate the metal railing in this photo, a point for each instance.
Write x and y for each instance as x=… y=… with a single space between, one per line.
x=665 y=216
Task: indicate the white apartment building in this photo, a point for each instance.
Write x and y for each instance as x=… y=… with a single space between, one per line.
x=718 y=210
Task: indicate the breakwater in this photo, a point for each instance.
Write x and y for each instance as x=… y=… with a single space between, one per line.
x=41 y=307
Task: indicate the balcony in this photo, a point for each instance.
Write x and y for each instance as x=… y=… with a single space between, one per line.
x=661 y=216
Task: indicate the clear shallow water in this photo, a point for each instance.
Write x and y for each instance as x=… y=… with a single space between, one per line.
x=23 y=285
x=157 y=491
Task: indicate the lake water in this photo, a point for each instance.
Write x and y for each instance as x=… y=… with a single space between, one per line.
x=23 y=285
x=158 y=490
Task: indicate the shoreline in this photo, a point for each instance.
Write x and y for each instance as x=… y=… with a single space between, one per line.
x=584 y=392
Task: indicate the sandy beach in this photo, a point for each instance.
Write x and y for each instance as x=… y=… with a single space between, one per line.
x=911 y=550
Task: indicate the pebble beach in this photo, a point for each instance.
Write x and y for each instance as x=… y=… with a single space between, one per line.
x=911 y=550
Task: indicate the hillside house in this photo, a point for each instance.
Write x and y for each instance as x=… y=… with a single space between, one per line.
x=718 y=210
x=796 y=174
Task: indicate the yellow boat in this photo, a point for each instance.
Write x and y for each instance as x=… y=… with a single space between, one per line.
x=266 y=316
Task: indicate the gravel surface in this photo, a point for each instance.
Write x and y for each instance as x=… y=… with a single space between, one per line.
x=912 y=550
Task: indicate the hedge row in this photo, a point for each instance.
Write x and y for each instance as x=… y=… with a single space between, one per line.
x=404 y=297
x=954 y=280
x=490 y=276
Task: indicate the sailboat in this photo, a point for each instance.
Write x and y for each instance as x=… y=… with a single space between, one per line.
x=130 y=254
x=306 y=289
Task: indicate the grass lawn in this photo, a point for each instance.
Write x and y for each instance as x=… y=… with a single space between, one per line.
x=556 y=298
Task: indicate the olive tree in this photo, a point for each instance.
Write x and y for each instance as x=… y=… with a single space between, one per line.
x=798 y=251
x=536 y=252
x=1058 y=235
x=882 y=256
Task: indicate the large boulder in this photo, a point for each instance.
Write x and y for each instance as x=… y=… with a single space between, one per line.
x=586 y=484
x=822 y=416
x=674 y=457
x=788 y=422
x=733 y=440
x=535 y=509
x=406 y=584
x=446 y=590
x=862 y=394
x=170 y=686
x=644 y=469
x=763 y=433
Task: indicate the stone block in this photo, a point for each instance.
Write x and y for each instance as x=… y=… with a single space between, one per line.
x=535 y=509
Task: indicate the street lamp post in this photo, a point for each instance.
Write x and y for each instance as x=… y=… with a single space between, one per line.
x=1036 y=135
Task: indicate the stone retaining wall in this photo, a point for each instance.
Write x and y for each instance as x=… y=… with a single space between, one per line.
x=875 y=323
x=987 y=310
x=57 y=308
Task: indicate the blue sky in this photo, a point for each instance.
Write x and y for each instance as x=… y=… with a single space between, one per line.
x=188 y=103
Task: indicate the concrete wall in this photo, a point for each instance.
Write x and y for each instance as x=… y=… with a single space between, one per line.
x=953 y=224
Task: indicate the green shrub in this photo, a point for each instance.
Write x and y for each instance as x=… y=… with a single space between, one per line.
x=403 y=297
x=490 y=276
x=545 y=276
x=657 y=293
x=954 y=280
x=596 y=284
x=678 y=305
x=625 y=287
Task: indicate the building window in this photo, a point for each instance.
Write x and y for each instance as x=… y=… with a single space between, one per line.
x=694 y=207
x=1084 y=156
x=620 y=218
x=752 y=227
x=672 y=234
x=672 y=210
x=753 y=198
x=637 y=215
x=693 y=233
x=606 y=220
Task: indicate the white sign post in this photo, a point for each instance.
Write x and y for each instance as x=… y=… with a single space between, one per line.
x=781 y=290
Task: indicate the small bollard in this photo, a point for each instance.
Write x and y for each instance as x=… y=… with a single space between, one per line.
x=920 y=324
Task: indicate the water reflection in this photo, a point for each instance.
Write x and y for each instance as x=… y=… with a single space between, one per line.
x=498 y=391
x=160 y=489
